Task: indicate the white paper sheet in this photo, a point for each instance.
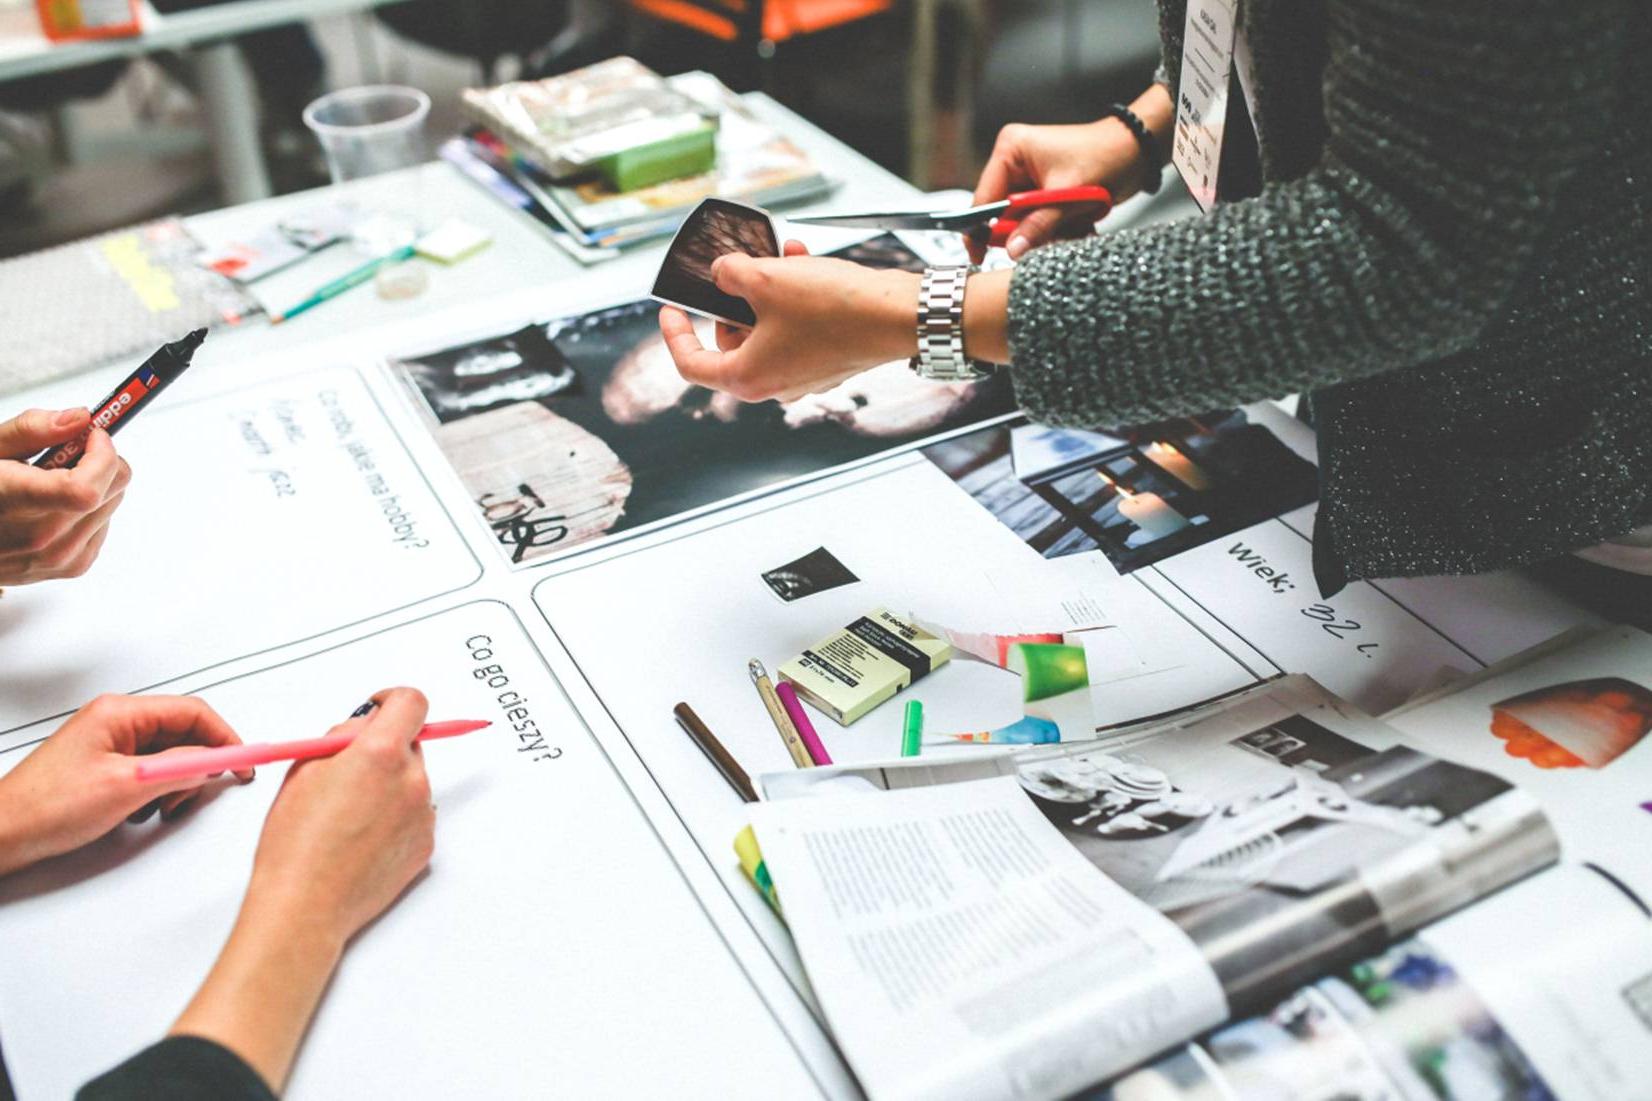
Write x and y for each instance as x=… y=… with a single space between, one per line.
x=254 y=520
x=963 y=949
x=551 y=946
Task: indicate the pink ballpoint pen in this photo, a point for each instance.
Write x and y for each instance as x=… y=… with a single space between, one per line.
x=231 y=758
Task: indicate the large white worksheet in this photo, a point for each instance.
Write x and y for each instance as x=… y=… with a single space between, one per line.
x=551 y=945
x=691 y=601
x=289 y=545
x=255 y=519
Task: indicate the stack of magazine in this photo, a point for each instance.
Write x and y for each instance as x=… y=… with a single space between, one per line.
x=1271 y=896
x=755 y=163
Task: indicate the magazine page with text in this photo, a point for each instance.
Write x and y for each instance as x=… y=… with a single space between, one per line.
x=1271 y=840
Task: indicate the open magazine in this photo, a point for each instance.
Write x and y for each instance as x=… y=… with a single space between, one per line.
x=1273 y=872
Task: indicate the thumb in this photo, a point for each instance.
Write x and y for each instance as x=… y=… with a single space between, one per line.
x=735 y=273
x=37 y=429
x=397 y=720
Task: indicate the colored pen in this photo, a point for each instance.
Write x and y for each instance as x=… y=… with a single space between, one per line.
x=912 y=729
x=230 y=758
x=777 y=714
x=800 y=719
x=154 y=375
x=343 y=283
x=721 y=758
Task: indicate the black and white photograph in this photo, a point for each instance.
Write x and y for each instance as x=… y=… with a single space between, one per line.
x=581 y=427
x=1260 y=837
x=815 y=572
x=1138 y=497
x=715 y=228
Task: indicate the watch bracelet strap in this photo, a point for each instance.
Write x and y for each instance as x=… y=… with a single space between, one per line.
x=1148 y=143
x=941 y=326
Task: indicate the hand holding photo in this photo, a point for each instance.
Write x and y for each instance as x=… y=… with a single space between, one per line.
x=715 y=228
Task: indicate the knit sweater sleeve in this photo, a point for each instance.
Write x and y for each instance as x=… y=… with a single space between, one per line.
x=1453 y=129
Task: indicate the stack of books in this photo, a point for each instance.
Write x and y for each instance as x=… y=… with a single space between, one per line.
x=552 y=148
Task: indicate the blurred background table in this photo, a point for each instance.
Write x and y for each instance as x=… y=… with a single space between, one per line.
x=207 y=34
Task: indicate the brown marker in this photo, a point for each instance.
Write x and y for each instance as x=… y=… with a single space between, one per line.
x=722 y=758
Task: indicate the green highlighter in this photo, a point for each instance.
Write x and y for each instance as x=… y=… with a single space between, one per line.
x=912 y=729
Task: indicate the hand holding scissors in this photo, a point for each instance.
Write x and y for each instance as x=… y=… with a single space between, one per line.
x=991 y=224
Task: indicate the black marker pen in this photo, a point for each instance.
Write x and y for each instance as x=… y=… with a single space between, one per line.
x=155 y=375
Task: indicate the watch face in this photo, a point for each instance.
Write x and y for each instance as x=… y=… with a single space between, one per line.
x=715 y=228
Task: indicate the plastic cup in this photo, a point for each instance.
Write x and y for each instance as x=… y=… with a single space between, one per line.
x=368 y=130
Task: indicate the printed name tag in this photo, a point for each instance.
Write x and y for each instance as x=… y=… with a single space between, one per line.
x=1202 y=98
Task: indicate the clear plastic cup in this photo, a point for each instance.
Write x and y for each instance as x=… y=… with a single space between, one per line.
x=368 y=130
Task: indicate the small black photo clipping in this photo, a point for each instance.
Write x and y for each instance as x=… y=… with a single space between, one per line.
x=715 y=228
x=815 y=572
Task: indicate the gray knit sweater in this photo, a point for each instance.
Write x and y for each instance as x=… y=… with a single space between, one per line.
x=1451 y=250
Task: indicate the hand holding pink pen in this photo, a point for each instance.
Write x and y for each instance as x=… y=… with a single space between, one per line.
x=210 y=762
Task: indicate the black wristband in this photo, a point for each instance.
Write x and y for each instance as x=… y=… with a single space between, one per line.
x=1144 y=138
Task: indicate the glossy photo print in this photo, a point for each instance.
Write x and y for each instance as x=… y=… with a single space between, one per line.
x=579 y=428
x=716 y=228
x=1138 y=498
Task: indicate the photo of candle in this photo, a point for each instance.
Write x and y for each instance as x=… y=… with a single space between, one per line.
x=1191 y=481
x=1148 y=511
x=1171 y=459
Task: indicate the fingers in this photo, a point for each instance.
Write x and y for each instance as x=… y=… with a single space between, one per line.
x=99 y=466
x=1003 y=173
x=170 y=807
x=737 y=274
x=100 y=473
x=146 y=724
x=695 y=362
x=1043 y=226
x=729 y=337
x=794 y=248
x=395 y=723
x=31 y=432
x=81 y=563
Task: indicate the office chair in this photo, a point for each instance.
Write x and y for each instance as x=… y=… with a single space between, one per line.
x=484 y=30
x=754 y=29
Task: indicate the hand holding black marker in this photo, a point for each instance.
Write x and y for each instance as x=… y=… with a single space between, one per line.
x=154 y=375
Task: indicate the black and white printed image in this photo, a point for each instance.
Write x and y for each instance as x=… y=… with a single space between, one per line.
x=574 y=429
x=1284 y=834
x=1139 y=497
x=715 y=228
x=815 y=572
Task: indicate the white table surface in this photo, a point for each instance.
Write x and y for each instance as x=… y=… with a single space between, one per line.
x=521 y=258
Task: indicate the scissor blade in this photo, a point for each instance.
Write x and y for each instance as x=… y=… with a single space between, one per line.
x=911 y=220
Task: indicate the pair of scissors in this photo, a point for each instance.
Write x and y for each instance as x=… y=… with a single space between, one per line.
x=992 y=223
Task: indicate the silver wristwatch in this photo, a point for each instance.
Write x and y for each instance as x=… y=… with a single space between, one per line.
x=941 y=327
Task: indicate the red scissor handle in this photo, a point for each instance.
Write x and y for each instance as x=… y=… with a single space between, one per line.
x=1023 y=203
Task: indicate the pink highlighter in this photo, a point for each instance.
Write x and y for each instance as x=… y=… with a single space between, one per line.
x=202 y=763
x=800 y=719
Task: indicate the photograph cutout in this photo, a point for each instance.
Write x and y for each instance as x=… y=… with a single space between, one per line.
x=579 y=428
x=1138 y=498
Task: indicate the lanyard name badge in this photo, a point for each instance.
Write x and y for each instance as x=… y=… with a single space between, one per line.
x=1202 y=98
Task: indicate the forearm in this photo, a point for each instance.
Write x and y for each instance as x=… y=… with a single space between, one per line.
x=1398 y=247
x=986 y=305
x=260 y=995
